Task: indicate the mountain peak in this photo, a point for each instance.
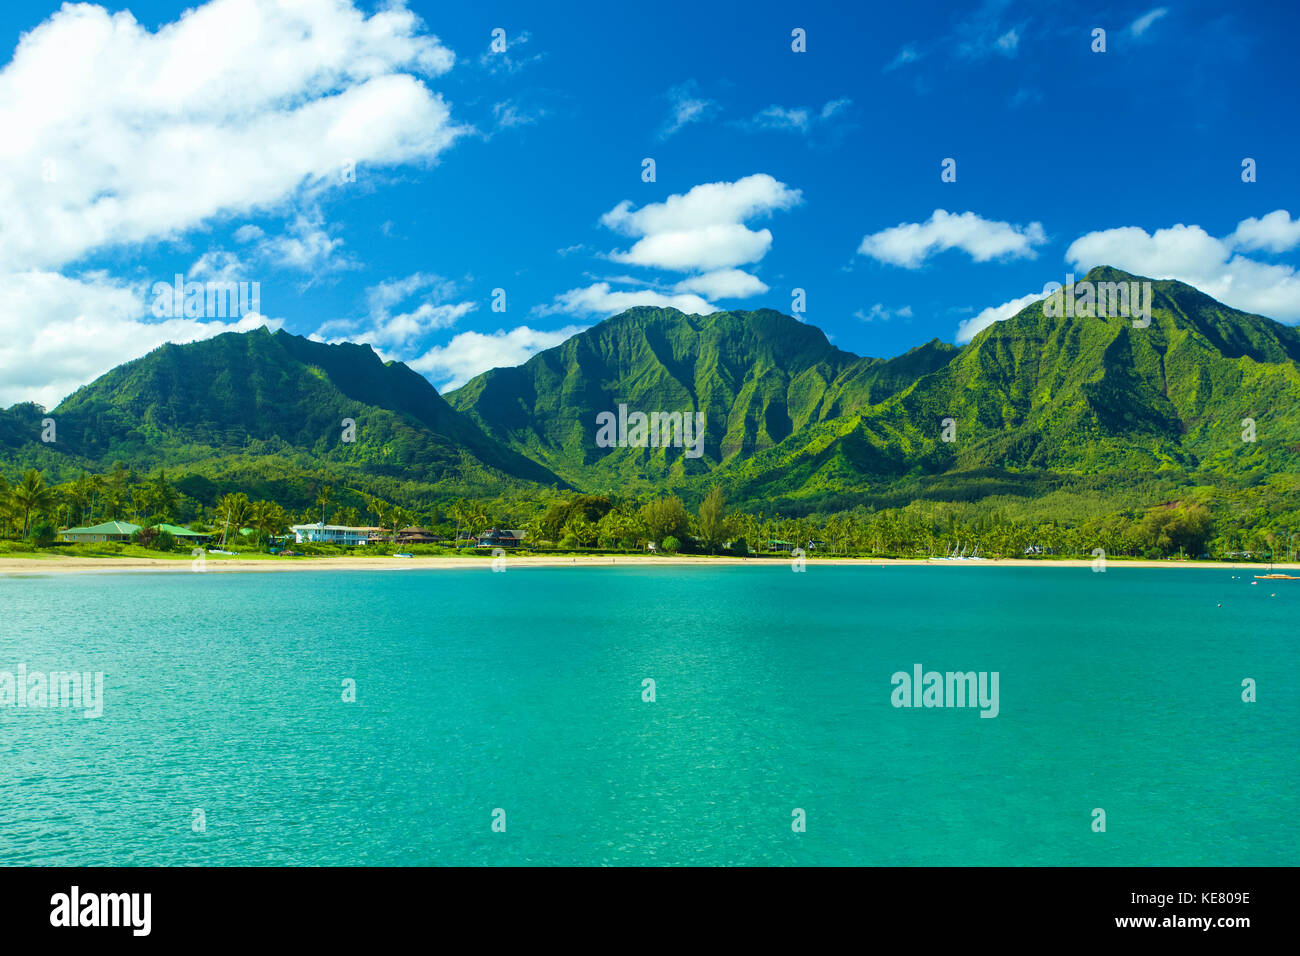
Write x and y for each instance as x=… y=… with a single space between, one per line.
x=283 y=395
x=1111 y=274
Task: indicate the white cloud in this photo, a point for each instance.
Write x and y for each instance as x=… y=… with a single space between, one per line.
x=471 y=353
x=1179 y=249
x=1276 y=232
x=217 y=265
x=306 y=246
x=395 y=334
x=510 y=60
x=906 y=55
x=687 y=107
x=1192 y=255
x=248 y=233
x=702 y=231
x=716 y=246
x=509 y=114
x=780 y=117
x=382 y=296
x=1143 y=23
x=835 y=107
x=121 y=135
x=797 y=119
x=909 y=244
x=723 y=284
x=705 y=205
x=984 y=33
x=599 y=300
x=976 y=324
x=405 y=328
x=58 y=333
x=879 y=313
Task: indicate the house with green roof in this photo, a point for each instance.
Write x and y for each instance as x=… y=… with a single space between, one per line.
x=122 y=531
x=108 y=531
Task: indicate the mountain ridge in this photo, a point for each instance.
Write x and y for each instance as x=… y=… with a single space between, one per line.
x=790 y=417
x=273 y=393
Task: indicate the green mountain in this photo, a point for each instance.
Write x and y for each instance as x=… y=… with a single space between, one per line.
x=758 y=377
x=1036 y=406
x=792 y=421
x=1077 y=395
x=274 y=398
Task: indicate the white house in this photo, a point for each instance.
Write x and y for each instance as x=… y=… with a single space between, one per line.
x=332 y=534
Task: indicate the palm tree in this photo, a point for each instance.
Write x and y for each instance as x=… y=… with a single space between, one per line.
x=78 y=498
x=582 y=529
x=469 y=513
x=398 y=518
x=323 y=499
x=95 y=487
x=233 y=509
x=481 y=517
x=837 y=531
x=535 y=528
x=713 y=519
x=382 y=509
x=6 y=506
x=143 y=501
x=268 y=518
x=162 y=495
x=458 y=512
x=31 y=495
x=115 y=490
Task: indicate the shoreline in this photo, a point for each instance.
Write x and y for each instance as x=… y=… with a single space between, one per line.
x=80 y=565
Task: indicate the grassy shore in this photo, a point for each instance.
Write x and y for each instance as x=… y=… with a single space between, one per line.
x=44 y=562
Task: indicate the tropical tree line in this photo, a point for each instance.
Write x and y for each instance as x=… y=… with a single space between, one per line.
x=32 y=510
x=918 y=530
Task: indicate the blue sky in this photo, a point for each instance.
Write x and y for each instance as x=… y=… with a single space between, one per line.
x=144 y=142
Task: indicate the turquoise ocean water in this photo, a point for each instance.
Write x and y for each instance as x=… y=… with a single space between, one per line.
x=523 y=691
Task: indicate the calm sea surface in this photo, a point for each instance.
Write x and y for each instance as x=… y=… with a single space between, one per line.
x=523 y=691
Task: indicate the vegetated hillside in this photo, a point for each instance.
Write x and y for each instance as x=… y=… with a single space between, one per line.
x=275 y=396
x=1041 y=408
x=1036 y=395
x=758 y=377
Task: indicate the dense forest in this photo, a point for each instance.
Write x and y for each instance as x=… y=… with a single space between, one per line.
x=1260 y=524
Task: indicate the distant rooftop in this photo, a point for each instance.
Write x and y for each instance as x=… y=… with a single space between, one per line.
x=333 y=527
x=108 y=527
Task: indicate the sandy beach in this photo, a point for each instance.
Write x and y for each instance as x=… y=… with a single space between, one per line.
x=45 y=564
